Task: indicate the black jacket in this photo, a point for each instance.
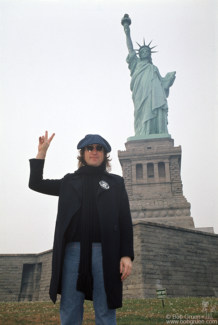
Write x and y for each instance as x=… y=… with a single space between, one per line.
x=115 y=225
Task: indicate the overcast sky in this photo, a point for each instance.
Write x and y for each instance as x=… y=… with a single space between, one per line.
x=63 y=69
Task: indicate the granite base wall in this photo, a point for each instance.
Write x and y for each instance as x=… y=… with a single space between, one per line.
x=15 y=286
x=183 y=261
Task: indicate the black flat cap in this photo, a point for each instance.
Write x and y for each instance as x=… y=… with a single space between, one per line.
x=94 y=139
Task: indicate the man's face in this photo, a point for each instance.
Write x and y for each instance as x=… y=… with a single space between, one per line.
x=92 y=156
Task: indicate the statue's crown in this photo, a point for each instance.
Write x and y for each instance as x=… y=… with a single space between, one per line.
x=148 y=46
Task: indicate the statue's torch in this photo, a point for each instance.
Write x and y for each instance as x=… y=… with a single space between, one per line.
x=126 y=21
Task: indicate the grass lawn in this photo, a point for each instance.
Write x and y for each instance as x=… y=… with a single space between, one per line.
x=134 y=312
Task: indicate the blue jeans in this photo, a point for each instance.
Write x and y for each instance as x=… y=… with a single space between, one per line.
x=71 y=308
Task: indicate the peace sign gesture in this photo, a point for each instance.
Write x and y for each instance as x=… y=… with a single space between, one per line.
x=44 y=142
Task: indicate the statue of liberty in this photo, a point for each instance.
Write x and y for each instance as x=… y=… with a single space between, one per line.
x=149 y=89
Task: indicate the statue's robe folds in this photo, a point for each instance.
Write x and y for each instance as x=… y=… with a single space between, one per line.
x=149 y=94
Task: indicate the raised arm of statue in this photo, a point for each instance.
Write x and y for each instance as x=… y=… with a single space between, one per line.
x=128 y=39
x=126 y=21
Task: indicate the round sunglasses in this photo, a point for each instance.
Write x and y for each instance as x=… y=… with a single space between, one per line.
x=98 y=147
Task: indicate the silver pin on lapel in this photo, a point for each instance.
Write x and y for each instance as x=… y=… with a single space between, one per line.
x=104 y=185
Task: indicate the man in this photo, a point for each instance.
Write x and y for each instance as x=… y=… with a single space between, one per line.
x=93 y=243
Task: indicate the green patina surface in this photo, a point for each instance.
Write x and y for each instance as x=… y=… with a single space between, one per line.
x=149 y=89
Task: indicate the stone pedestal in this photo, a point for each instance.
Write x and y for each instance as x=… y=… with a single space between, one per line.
x=151 y=170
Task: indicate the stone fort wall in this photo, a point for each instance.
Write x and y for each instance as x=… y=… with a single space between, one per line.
x=25 y=277
x=183 y=261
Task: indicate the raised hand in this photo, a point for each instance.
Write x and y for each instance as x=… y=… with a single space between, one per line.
x=44 y=143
